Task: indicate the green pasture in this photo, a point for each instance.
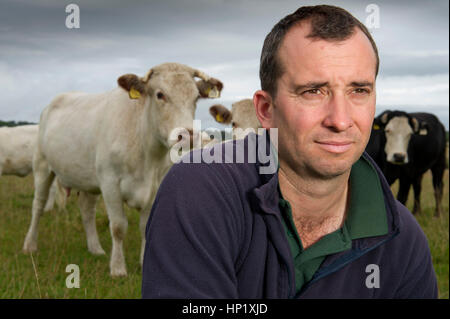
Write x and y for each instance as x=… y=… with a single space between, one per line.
x=62 y=241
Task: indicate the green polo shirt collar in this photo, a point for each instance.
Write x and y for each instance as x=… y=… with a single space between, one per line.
x=366 y=216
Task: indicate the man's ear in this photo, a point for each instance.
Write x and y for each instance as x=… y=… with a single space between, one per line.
x=264 y=108
x=210 y=88
x=221 y=114
x=133 y=85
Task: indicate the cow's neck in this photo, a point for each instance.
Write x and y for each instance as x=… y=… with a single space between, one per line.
x=150 y=161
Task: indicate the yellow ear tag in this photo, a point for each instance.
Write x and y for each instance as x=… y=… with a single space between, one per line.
x=376 y=127
x=134 y=94
x=213 y=93
x=219 y=118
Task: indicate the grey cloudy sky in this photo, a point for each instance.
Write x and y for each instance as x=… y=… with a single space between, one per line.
x=40 y=57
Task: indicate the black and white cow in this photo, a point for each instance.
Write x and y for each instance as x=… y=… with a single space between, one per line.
x=405 y=146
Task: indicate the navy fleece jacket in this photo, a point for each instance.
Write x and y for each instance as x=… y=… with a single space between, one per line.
x=215 y=231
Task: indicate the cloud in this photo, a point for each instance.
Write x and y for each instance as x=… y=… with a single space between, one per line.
x=427 y=93
x=40 y=57
x=413 y=90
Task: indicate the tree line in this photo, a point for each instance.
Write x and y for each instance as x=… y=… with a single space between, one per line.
x=14 y=123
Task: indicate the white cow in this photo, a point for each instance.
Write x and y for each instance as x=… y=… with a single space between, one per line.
x=17 y=146
x=117 y=144
x=242 y=117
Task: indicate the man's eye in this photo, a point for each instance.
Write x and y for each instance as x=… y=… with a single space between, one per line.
x=361 y=91
x=312 y=91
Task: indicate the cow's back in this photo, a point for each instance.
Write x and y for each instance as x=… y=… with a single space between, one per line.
x=16 y=149
x=425 y=150
x=77 y=128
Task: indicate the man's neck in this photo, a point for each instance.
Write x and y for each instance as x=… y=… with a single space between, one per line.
x=318 y=205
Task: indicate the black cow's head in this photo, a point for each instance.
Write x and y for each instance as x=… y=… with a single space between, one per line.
x=398 y=128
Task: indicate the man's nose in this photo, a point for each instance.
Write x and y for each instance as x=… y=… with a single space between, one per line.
x=338 y=116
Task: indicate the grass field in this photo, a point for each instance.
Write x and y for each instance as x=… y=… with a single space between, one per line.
x=62 y=241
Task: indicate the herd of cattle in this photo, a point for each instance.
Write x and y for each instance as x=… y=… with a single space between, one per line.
x=117 y=143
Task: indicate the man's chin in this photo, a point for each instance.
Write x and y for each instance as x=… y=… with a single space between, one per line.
x=331 y=169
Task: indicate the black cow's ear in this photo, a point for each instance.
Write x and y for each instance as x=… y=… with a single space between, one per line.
x=415 y=125
x=376 y=125
x=384 y=118
x=423 y=128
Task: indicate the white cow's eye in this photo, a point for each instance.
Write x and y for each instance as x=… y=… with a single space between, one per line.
x=160 y=96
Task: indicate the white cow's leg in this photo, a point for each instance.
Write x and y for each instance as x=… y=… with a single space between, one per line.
x=87 y=204
x=145 y=213
x=51 y=197
x=43 y=179
x=118 y=225
x=60 y=196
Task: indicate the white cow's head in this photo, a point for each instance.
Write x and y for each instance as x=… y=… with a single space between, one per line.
x=169 y=92
x=399 y=127
x=242 y=117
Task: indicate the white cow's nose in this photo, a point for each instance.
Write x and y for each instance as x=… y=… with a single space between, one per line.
x=182 y=135
x=185 y=134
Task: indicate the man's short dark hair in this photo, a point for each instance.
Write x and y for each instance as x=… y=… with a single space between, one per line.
x=327 y=22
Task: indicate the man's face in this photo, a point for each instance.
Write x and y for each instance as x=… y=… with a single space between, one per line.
x=325 y=102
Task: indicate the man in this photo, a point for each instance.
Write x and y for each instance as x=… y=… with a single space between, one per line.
x=325 y=224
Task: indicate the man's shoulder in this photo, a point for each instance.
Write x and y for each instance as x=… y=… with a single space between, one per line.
x=411 y=242
x=411 y=256
x=408 y=225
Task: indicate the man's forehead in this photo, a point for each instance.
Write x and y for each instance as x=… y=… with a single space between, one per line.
x=299 y=50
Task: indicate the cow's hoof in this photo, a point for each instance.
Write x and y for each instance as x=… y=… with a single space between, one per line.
x=29 y=247
x=98 y=251
x=118 y=272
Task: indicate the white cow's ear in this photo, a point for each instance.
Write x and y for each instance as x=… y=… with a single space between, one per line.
x=210 y=88
x=147 y=76
x=132 y=84
x=220 y=113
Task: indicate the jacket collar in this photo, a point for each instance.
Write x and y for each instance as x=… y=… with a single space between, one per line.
x=266 y=194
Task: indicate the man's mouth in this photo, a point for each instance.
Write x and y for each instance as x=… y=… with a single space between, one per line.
x=336 y=147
